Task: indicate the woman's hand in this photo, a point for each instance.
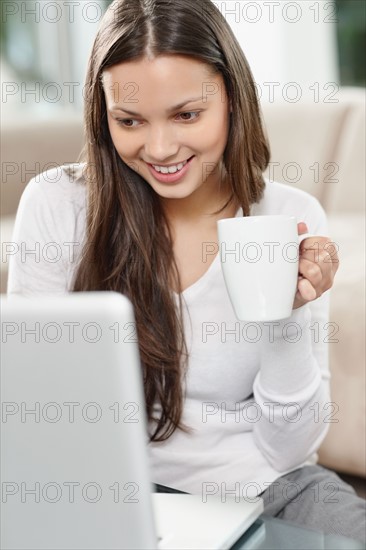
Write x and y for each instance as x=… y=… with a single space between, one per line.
x=317 y=266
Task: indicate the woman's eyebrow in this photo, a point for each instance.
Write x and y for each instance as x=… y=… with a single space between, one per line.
x=175 y=108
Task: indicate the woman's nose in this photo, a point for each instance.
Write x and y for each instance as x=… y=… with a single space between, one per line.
x=161 y=144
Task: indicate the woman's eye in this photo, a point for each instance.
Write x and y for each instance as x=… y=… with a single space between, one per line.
x=129 y=122
x=124 y=121
x=190 y=113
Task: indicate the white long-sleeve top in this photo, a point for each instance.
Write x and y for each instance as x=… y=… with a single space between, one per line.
x=256 y=394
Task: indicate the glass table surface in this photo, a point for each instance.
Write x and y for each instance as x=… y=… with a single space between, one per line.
x=268 y=533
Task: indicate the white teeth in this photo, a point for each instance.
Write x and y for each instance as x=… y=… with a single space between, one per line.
x=171 y=169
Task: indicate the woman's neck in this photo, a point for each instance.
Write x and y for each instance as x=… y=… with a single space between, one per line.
x=200 y=206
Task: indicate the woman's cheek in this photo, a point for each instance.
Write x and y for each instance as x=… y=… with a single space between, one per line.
x=120 y=145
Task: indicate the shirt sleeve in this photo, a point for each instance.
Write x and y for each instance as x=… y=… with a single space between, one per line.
x=292 y=385
x=45 y=246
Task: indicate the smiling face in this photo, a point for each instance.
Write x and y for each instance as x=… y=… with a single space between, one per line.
x=164 y=112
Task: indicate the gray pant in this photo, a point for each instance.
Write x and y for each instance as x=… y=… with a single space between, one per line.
x=317 y=498
x=314 y=497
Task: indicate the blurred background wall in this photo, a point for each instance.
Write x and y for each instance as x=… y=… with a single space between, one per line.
x=298 y=51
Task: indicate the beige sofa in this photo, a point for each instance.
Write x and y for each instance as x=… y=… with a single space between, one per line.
x=319 y=147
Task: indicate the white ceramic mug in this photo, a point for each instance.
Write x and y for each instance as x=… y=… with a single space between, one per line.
x=260 y=258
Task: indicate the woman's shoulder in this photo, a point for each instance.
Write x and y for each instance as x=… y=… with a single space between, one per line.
x=59 y=185
x=50 y=220
x=280 y=195
x=53 y=205
x=281 y=198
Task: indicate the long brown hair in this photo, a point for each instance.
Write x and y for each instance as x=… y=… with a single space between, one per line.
x=128 y=243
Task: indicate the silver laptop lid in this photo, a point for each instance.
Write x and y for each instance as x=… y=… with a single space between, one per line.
x=74 y=468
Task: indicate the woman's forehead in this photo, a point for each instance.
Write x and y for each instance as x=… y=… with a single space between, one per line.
x=164 y=77
x=161 y=66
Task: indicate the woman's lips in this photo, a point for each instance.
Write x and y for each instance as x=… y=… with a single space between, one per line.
x=170 y=178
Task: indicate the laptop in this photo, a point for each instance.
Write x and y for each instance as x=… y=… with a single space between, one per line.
x=74 y=457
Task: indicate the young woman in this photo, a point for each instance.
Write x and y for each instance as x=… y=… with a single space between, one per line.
x=174 y=143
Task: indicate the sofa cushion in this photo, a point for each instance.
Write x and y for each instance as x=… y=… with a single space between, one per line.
x=30 y=147
x=347 y=193
x=303 y=140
